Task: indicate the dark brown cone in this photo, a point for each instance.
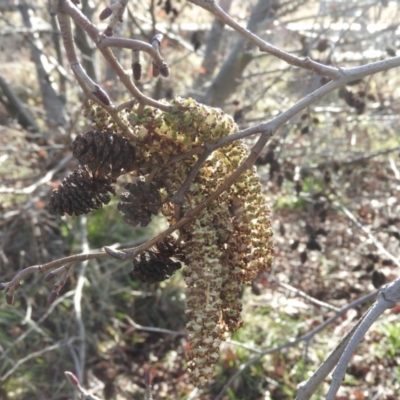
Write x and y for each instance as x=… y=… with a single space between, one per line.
x=156 y=265
x=104 y=153
x=80 y=192
x=139 y=203
x=149 y=269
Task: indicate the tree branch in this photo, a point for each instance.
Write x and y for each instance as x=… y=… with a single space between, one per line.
x=264 y=46
x=68 y=8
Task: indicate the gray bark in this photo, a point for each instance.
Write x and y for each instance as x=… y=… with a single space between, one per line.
x=55 y=111
x=83 y=43
x=16 y=107
x=214 y=39
x=229 y=76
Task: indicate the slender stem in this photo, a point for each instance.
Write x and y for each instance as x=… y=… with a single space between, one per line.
x=67 y=7
x=264 y=46
x=91 y=89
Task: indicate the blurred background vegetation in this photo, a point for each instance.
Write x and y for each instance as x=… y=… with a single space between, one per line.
x=332 y=180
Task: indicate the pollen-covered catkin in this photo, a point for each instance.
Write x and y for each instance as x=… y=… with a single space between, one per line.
x=228 y=243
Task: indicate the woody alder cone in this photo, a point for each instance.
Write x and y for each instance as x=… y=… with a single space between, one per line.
x=156 y=265
x=152 y=268
x=80 y=192
x=139 y=203
x=104 y=153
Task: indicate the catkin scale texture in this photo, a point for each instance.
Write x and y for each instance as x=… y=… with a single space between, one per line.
x=229 y=242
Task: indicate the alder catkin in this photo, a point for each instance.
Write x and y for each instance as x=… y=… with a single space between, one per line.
x=225 y=246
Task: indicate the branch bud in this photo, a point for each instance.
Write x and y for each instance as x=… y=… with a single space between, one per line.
x=164 y=70
x=72 y=378
x=52 y=296
x=137 y=71
x=101 y=95
x=105 y=13
x=109 y=31
x=51 y=275
x=136 y=66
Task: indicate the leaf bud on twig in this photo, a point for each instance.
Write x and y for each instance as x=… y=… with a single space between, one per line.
x=108 y=31
x=137 y=71
x=50 y=276
x=72 y=378
x=105 y=13
x=52 y=296
x=164 y=70
x=136 y=66
x=101 y=95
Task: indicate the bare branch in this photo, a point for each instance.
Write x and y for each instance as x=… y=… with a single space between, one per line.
x=17 y=107
x=291 y=343
x=34 y=354
x=306 y=389
x=74 y=381
x=92 y=90
x=305 y=63
x=371 y=237
x=388 y=297
x=67 y=7
x=55 y=109
x=300 y=293
x=80 y=365
x=15 y=282
x=45 y=179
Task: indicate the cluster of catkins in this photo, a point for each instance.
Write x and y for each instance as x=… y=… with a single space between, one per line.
x=229 y=242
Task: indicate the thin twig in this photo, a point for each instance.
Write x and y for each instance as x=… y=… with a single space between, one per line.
x=294 y=342
x=74 y=381
x=370 y=236
x=91 y=89
x=356 y=160
x=305 y=63
x=34 y=326
x=388 y=297
x=30 y=356
x=78 y=300
x=139 y=327
x=67 y=7
x=179 y=197
x=300 y=293
x=306 y=389
x=45 y=179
